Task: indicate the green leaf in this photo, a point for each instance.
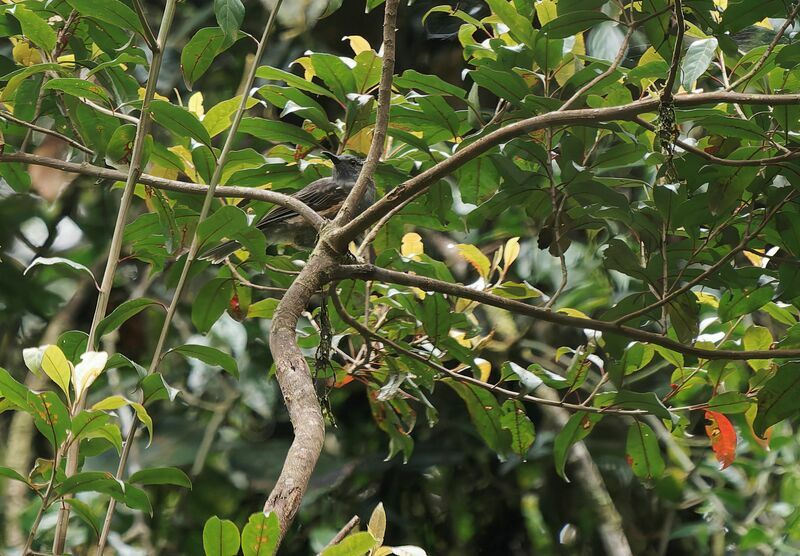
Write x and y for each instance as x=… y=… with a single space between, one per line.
x=87 y=422
x=777 y=400
x=275 y=74
x=84 y=511
x=56 y=366
x=91 y=481
x=572 y=23
x=335 y=73
x=263 y=309
x=277 y=132
x=431 y=84
x=643 y=453
x=109 y=11
x=356 y=544
x=625 y=399
x=735 y=303
x=504 y=84
x=578 y=368
x=78 y=88
x=516 y=422
x=519 y=26
x=155 y=388
x=695 y=62
x=137 y=499
x=122 y=313
x=210 y=356
x=229 y=14
x=220 y=537
x=550 y=378
x=211 y=301
x=50 y=416
x=180 y=121
x=161 y=476
x=49 y=261
x=435 y=316
x=9 y=473
x=485 y=413
x=261 y=534
x=223 y=223
x=34 y=28
x=576 y=429
x=16 y=78
x=12 y=390
x=218 y=118
x=729 y=402
x=476 y=258
x=198 y=54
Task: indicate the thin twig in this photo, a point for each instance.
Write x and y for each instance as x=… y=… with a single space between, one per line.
x=724 y=161
x=372 y=272
x=674 y=66
x=116 y=244
x=344 y=531
x=193 y=249
x=745 y=79
x=148 y=35
x=238 y=192
x=6 y=115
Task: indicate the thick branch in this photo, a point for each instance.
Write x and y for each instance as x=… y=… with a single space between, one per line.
x=421 y=182
x=239 y=192
x=372 y=272
x=381 y=116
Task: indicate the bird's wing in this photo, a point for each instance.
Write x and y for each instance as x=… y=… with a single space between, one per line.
x=321 y=196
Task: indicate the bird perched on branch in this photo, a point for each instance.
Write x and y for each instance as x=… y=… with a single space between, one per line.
x=325 y=196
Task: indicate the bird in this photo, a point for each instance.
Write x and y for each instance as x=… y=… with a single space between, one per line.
x=325 y=196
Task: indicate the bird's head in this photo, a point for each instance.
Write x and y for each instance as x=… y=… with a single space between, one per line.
x=345 y=166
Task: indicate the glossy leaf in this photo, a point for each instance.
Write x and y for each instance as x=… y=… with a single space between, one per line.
x=210 y=356
x=220 y=537
x=643 y=453
x=260 y=535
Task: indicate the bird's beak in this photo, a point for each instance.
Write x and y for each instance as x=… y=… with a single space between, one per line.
x=330 y=155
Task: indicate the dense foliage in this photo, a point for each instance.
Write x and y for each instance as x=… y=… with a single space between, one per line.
x=588 y=236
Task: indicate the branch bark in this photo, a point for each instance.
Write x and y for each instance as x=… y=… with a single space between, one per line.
x=421 y=182
x=372 y=272
x=250 y=193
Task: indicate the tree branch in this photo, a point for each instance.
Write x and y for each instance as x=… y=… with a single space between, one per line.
x=724 y=161
x=674 y=66
x=745 y=79
x=424 y=180
x=6 y=115
x=372 y=272
x=250 y=193
x=381 y=116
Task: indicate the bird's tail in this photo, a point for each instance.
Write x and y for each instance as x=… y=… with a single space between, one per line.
x=218 y=253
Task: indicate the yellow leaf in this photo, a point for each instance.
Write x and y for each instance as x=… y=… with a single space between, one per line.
x=485 y=368
x=188 y=165
x=511 y=252
x=155 y=95
x=161 y=172
x=754 y=258
x=418 y=292
x=25 y=55
x=546 y=10
x=707 y=299
x=196 y=104
x=68 y=59
x=360 y=142
x=377 y=523
x=357 y=43
x=476 y=258
x=573 y=313
x=765 y=23
x=459 y=336
x=308 y=67
x=411 y=246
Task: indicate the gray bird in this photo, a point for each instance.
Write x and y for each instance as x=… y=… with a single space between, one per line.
x=325 y=196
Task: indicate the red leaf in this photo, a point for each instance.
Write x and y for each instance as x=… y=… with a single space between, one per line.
x=723 y=437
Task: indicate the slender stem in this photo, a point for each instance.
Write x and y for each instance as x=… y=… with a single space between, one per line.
x=6 y=115
x=86 y=169
x=711 y=269
x=116 y=241
x=424 y=180
x=674 y=66
x=194 y=247
x=344 y=531
x=45 y=504
x=381 y=117
x=148 y=36
x=745 y=79
x=372 y=272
